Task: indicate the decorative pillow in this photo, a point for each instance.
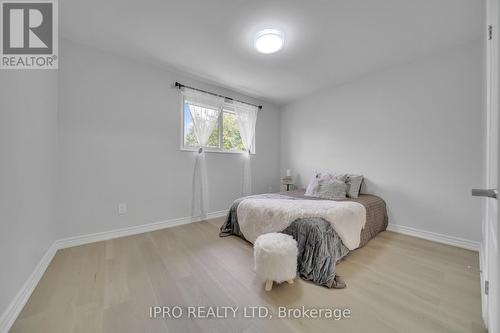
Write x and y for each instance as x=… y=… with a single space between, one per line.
x=332 y=189
x=354 y=185
x=333 y=176
x=312 y=188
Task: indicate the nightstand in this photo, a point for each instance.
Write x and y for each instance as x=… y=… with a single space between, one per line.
x=288 y=182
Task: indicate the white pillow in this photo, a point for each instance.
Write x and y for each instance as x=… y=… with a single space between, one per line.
x=312 y=188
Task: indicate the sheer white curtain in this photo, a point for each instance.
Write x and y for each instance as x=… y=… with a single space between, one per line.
x=205 y=110
x=247 y=118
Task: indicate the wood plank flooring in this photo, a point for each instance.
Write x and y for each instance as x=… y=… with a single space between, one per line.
x=396 y=283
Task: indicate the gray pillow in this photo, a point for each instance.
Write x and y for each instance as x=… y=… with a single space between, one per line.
x=354 y=185
x=332 y=189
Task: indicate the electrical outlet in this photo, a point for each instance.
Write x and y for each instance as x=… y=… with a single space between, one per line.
x=270 y=189
x=122 y=209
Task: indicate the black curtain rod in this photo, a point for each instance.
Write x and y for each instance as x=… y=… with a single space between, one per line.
x=180 y=85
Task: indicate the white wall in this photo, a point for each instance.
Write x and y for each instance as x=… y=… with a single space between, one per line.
x=120 y=138
x=28 y=169
x=415 y=131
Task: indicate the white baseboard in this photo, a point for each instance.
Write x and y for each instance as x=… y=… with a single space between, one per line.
x=16 y=305
x=435 y=237
x=122 y=232
x=10 y=314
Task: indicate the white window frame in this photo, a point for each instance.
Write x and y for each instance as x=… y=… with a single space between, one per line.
x=220 y=122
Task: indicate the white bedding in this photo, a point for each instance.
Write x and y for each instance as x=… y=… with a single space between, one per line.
x=261 y=216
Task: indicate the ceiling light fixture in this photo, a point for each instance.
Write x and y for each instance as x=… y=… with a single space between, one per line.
x=269 y=41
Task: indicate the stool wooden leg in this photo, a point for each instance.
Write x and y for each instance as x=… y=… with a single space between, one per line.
x=269 y=285
x=290 y=281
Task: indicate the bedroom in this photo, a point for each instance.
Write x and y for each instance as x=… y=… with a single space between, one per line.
x=111 y=218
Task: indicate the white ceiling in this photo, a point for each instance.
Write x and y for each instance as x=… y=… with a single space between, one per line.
x=327 y=41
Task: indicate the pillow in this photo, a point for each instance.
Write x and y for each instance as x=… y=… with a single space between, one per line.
x=332 y=189
x=332 y=176
x=312 y=188
x=354 y=185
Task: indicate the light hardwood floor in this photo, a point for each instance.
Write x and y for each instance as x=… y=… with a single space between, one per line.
x=395 y=283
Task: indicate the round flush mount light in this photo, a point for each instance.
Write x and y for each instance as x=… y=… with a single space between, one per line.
x=269 y=41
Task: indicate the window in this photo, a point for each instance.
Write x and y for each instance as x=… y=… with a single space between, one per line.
x=224 y=138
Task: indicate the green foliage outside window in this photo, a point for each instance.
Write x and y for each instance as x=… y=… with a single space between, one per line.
x=231 y=137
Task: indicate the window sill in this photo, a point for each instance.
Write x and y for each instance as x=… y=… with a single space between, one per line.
x=219 y=151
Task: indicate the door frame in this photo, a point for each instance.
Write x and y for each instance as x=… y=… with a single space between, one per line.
x=489 y=255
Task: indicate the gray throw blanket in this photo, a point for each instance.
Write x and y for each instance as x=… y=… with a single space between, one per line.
x=320 y=248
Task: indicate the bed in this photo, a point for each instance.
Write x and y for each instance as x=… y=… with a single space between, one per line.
x=321 y=242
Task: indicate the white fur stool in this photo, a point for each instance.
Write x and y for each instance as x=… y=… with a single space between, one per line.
x=275 y=256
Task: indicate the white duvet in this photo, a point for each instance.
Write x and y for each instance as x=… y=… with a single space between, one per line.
x=264 y=215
